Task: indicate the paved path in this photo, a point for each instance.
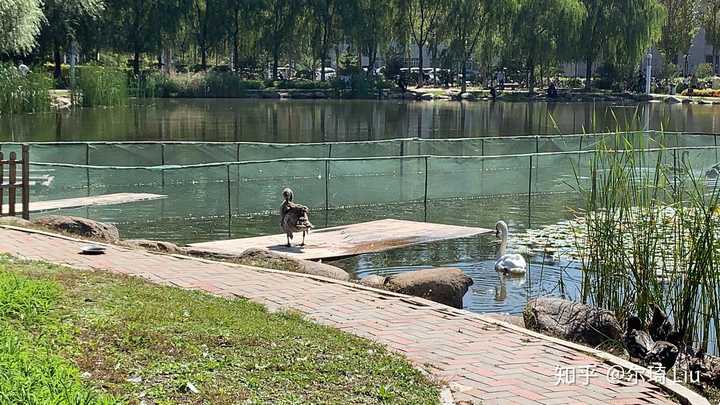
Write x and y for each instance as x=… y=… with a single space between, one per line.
x=481 y=359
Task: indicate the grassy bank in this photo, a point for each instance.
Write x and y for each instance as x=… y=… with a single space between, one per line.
x=93 y=337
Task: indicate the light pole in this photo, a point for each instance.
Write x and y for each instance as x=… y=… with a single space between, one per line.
x=648 y=73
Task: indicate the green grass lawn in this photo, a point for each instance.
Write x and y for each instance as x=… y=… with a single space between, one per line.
x=75 y=337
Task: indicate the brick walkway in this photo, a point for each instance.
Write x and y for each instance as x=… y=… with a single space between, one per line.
x=482 y=360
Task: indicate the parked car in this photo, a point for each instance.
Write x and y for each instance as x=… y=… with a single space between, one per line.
x=330 y=73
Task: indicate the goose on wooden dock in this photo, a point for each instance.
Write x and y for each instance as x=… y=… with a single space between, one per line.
x=294 y=217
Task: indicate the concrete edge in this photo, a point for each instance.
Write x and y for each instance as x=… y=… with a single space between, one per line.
x=686 y=395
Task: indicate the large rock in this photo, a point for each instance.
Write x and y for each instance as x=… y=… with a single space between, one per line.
x=153 y=245
x=82 y=227
x=271 y=260
x=572 y=321
x=444 y=285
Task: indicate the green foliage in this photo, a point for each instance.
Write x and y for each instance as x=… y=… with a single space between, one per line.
x=98 y=86
x=651 y=238
x=682 y=23
x=20 y=22
x=21 y=94
x=232 y=350
x=543 y=30
x=704 y=70
x=30 y=370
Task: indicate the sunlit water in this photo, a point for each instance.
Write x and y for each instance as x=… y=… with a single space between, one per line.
x=334 y=120
x=314 y=121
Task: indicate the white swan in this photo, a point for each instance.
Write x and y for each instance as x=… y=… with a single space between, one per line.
x=511 y=262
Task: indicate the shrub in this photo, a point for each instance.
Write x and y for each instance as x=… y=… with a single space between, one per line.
x=703 y=93
x=98 y=86
x=20 y=94
x=704 y=70
x=213 y=84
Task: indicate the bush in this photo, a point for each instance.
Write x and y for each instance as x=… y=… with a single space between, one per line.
x=213 y=84
x=702 y=93
x=98 y=86
x=21 y=94
x=704 y=70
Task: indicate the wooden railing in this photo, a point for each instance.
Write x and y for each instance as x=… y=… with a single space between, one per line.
x=13 y=183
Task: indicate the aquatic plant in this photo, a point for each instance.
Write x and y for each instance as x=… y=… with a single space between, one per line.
x=23 y=93
x=99 y=86
x=651 y=238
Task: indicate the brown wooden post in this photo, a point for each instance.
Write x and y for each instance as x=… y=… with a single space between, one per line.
x=2 y=184
x=26 y=182
x=11 y=183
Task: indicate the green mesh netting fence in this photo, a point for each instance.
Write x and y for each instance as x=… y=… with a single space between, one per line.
x=225 y=180
x=190 y=153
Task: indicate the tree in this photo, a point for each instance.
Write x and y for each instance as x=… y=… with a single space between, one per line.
x=474 y=21
x=543 y=30
x=63 y=18
x=280 y=19
x=244 y=14
x=19 y=25
x=711 y=23
x=324 y=13
x=367 y=23
x=422 y=18
x=681 y=25
x=617 y=31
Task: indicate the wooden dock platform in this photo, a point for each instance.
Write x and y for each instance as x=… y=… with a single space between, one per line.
x=103 y=199
x=348 y=240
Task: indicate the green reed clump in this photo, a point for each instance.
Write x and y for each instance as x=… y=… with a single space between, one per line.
x=652 y=238
x=198 y=85
x=23 y=93
x=99 y=86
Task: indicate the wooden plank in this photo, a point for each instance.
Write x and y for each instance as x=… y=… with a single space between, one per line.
x=104 y=199
x=349 y=240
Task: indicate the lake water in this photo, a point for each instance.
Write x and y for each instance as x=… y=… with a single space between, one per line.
x=346 y=120
x=328 y=120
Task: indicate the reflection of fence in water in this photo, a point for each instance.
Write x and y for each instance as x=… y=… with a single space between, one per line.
x=250 y=188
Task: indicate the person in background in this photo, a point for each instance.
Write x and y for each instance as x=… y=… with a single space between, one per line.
x=22 y=67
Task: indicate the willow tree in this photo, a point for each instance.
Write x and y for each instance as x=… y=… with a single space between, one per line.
x=473 y=22
x=711 y=23
x=681 y=25
x=367 y=23
x=422 y=19
x=19 y=25
x=280 y=18
x=618 y=32
x=325 y=14
x=63 y=19
x=543 y=31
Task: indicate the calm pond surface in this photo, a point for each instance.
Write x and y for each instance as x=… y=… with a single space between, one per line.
x=345 y=120
x=328 y=120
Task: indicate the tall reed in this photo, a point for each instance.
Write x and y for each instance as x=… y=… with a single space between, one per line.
x=23 y=93
x=652 y=237
x=98 y=86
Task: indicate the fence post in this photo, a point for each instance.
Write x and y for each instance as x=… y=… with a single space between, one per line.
x=327 y=192
x=229 y=199
x=11 y=183
x=425 y=202
x=530 y=179
x=25 y=182
x=162 y=163
x=2 y=182
x=87 y=167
